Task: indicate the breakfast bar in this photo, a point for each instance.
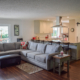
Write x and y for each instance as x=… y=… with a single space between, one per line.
x=73 y=46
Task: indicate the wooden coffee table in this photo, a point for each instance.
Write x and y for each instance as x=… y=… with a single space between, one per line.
x=61 y=60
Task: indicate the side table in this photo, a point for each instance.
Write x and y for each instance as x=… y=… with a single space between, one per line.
x=60 y=60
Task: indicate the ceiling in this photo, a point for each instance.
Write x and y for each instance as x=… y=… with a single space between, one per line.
x=39 y=9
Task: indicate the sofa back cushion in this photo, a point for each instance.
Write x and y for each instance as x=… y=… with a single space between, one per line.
x=28 y=44
x=1 y=47
x=17 y=45
x=41 y=47
x=9 y=46
x=33 y=46
x=52 y=49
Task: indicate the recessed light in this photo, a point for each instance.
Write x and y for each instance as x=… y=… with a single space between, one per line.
x=48 y=19
x=67 y=16
x=55 y=21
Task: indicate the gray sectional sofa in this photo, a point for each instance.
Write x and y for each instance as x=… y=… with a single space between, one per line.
x=36 y=53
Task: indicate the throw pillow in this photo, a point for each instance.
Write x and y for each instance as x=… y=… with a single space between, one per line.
x=23 y=45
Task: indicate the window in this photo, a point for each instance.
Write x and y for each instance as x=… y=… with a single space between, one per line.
x=4 y=35
x=56 y=32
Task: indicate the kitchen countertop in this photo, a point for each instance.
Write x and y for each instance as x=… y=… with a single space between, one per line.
x=62 y=41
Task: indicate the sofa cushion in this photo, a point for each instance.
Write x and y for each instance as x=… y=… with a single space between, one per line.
x=20 y=50
x=33 y=54
x=41 y=58
x=3 y=53
x=9 y=52
x=15 y=51
x=17 y=45
x=24 y=52
x=9 y=56
x=9 y=46
x=51 y=49
x=41 y=47
x=33 y=46
x=1 y=47
x=28 y=44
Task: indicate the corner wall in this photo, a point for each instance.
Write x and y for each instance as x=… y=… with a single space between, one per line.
x=72 y=35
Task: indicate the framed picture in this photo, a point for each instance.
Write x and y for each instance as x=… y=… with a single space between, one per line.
x=16 y=30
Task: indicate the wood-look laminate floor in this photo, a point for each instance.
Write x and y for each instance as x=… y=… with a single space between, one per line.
x=13 y=73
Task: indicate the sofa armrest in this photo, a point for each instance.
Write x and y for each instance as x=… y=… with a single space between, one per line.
x=49 y=56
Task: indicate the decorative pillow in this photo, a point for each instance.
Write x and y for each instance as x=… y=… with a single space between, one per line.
x=23 y=45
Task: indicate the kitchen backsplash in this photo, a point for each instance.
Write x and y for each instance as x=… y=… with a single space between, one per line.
x=43 y=35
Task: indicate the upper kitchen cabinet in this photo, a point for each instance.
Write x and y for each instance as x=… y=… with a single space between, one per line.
x=43 y=27
x=64 y=30
x=50 y=27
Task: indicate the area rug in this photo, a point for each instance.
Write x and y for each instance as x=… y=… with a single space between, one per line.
x=29 y=68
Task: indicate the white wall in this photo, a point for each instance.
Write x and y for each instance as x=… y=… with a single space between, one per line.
x=26 y=28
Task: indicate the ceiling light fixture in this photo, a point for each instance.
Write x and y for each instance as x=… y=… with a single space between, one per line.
x=48 y=19
x=67 y=16
x=55 y=21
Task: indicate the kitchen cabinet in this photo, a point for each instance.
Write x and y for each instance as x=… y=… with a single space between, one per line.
x=50 y=27
x=64 y=30
x=43 y=26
